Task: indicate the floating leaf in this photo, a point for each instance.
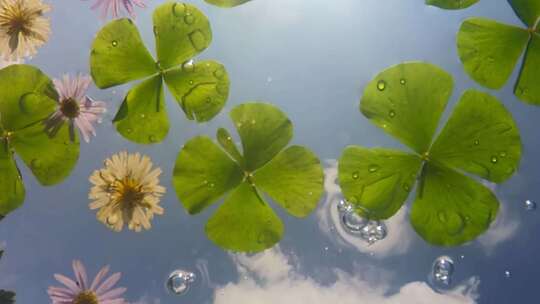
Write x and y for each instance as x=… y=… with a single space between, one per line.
x=452 y=209
x=227 y=3
x=407 y=102
x=26 y=101
x=480 y=138
x=119 y=56
x=142 y=118
x=377 y=181
x=490 y=50
x=201 y=88
x=292 y=176
x=451 y=4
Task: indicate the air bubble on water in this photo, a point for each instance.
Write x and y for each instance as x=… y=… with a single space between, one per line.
x=180 y=281
x=343 y=206
x=507 y=274
x=530 y=205
x=352 y=222
x=443 y=269
x=373 y=232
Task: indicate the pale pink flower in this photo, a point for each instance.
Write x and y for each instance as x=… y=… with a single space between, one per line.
x=75 y=107
x=114 y=7
x=79 y=291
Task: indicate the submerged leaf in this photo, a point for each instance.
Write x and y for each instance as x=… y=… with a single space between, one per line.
x=118 y=55
x=407 y=101
x=227 y=3
x=182 y=31
x=200 y=88
x=377 y=181
x=451 y=4
x=480 y=138
x=452 y=208
x=245 y=222
x=142 y=118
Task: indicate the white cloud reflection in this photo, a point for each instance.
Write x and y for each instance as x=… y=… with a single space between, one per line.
x=270 y=277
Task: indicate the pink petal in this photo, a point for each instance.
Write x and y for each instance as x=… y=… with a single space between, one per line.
x=80 y=274
x=68 y=282
x=101 y=274
x=109 y=283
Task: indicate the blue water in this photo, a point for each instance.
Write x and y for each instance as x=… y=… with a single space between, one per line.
x=311 y=58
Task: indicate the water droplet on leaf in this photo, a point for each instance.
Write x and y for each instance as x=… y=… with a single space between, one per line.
x=494 y=159
x=198 y=40
x=373 y=168
x=381 y=85
x=114 y=43
x=189 y=19
x=403 y=81
x=355 y=175
x=188 y=66
x=392 y=113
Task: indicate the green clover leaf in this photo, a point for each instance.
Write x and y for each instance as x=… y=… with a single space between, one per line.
x=119 y=56
x=480 y=138
x=27 y=100
x=452 y=4
x=226 y=3
x=292 y=176
x=490 y=50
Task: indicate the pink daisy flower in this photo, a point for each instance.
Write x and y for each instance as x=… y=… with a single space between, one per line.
x=75 y=108
x=113 y=6
x=80 y=292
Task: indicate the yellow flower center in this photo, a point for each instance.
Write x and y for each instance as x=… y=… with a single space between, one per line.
x=70 y=108
x=129 y=193
x=86 y=297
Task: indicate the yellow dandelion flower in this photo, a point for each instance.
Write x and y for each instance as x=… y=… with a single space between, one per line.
x=126 y=191
x=23 y=28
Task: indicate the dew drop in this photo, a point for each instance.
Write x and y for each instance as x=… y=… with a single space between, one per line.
x=229 y=138
x=530 y=205
x=403 y=81
x=373 y=168
x=494 y=159
x=502 y=154
x=355 y=175
x=188 y=66
x=189 y=19
x=443 y=269
x=143 y=116
x=211 y=185
x=180 y=281
x=178 y=9
x=381 y=85
x=191 y=82
x=198 y=40
x=114 y=43
x=392 y=113
x=476 y=142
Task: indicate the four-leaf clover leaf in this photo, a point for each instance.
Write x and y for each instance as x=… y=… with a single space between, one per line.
x=490 y=50
x=452 y=4
x=480 y=138
x=227 y=3
x=292 y=177
x=27 y=99
x=118 y=56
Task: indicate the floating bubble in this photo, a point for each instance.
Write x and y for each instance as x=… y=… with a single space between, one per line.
x=530 y=205
x=373 y=231
x=344 y=207
x=352 y=222
x=180 y=281
x=507 y=274
x=443 y=269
